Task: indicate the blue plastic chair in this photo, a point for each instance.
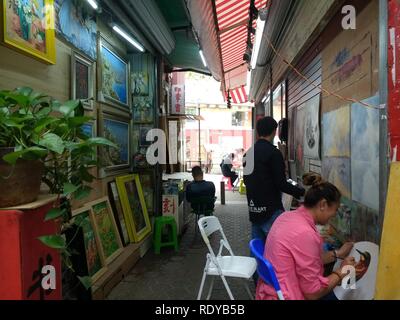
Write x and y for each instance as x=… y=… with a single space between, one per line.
x=264 y=268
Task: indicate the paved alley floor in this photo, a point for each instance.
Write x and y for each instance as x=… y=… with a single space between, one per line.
x=177 y=276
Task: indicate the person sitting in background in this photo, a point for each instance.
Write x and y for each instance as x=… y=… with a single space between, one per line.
x=226 y=168
x=200 y=188
x=294 y=248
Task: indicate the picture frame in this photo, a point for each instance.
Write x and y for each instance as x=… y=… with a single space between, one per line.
x=75 y=22
x=82 y=80
x=113 y=76
x=106 y=229
x=140 y=84
x=115 y=202
x=31 y=35
x=118 y=130
x=93 y=255
x=134 y=206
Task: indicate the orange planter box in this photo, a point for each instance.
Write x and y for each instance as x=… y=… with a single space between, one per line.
x=24 y=260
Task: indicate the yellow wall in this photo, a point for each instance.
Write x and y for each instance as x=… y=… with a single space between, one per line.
x=388 y=280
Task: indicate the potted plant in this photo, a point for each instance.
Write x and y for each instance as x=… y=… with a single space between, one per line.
x=42 y=137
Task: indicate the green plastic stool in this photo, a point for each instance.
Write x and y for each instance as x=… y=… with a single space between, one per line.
x=159 y=224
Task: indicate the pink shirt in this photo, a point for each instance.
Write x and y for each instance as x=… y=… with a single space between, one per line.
x=294 y=248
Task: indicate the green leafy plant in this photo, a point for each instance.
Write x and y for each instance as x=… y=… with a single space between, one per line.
x=41 y=128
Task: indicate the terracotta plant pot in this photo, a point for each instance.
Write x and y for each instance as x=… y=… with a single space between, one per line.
x=19 y=184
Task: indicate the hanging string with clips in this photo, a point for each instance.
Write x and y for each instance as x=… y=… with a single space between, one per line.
x=314 y=85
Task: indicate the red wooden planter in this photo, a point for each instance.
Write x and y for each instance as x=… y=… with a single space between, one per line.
x=23 y=258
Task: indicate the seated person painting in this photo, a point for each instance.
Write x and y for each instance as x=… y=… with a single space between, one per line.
x=200 y=189
x=294 y=248
x=226 y=168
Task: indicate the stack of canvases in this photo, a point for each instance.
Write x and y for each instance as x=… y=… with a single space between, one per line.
x=109 y=224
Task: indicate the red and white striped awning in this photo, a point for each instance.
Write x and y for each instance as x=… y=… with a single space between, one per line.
x=232 y=18
x=238 y=95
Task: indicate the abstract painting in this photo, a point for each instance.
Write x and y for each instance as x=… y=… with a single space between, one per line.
x=114 y=72
x=107 y=229
x=76 y=23
x=312 y=128
x=337 y=171
x=365 y=153
x=336 y=133
x=83 y=219
x=134 y=206
x=28 y=27
x=118 y=132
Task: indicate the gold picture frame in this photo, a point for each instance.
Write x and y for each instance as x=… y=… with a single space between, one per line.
x=134 y=206
x=94 y=260
x=106 y=229
x=30 y=29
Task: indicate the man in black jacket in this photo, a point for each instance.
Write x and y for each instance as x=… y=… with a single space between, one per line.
x=266 y=181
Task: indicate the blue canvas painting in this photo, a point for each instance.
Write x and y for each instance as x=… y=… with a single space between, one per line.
x=118 y=133
x=365 y=153
x=87 y=129
x=76 y=23
x=114 y=71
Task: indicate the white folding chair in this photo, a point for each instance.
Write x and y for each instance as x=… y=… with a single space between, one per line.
x=223 y=266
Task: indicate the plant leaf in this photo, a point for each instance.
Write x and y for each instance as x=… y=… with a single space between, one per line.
x=33 y=152
x=82 y=193
x=52 y=142
x=86 y=281
x=54 y=214
x=68 y=107
x=78 y=121
x=69 y=188
x=98 y=141
x=53 y=241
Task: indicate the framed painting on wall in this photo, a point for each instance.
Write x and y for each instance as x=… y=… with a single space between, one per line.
x=117 y=130
x=140 y=84
x=75 y=21
x=82 y=80
x=143 y=110
x=115 y=202
x=106 y=228
x=134 y=206
x=83 y=218
x=28 y=26
x=114 y=77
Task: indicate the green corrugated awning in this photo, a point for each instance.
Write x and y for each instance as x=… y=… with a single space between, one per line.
x=186 y=52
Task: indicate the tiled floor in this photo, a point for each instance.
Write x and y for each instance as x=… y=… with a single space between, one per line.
x=177 y=276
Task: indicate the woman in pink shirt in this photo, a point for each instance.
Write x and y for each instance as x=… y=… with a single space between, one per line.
x=294 y=247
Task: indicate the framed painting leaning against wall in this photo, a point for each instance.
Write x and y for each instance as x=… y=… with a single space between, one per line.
x=106 y=228
x=134 y=206
x=83 y=218
x=28 y=26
